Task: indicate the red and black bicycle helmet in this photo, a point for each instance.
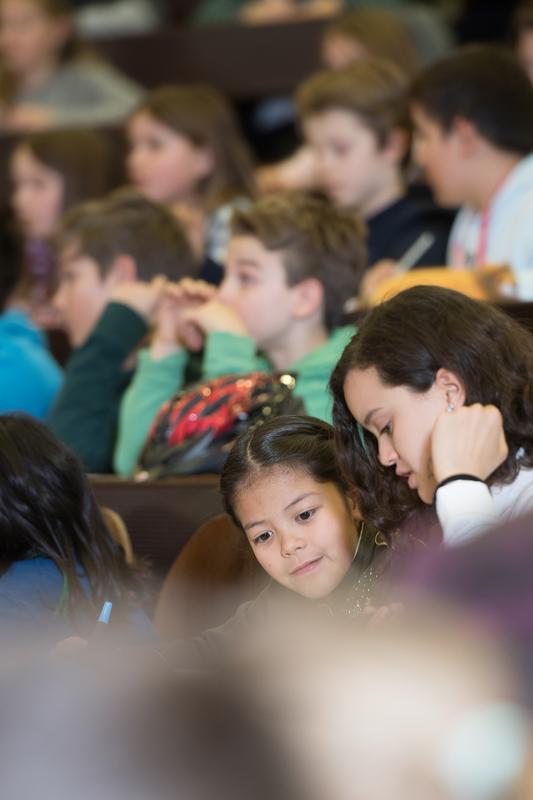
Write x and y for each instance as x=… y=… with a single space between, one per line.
x=194 y=431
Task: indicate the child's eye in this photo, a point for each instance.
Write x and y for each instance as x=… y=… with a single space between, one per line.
x=386 y=429
x=304 y=516
x=150 y=143
x=245 y=279
x=263 y=537
x=341 y=149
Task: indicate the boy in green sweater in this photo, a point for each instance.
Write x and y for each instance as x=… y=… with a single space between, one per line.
x=293 y=262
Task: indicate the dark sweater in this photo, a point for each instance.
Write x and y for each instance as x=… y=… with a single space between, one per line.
x=85 y=413
x=392 y=231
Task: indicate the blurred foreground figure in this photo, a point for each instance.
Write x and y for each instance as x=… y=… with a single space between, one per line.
x=420 y=707
x=417 y=708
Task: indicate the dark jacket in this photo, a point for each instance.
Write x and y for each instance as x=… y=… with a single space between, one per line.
x=85 y=413
x=392 y=231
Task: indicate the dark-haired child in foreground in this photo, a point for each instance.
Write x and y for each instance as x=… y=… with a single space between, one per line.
x=59 y=560
x=282 y=487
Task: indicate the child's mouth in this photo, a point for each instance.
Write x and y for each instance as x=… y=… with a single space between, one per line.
x=307 y=567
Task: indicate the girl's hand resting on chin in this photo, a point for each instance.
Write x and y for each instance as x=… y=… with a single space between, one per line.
x=469 y=441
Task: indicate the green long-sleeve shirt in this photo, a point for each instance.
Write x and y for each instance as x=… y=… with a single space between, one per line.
x=225 y=353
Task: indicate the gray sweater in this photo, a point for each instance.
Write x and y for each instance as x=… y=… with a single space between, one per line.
x=84 y=92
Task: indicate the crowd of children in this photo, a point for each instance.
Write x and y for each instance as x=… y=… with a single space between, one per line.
x=416 y=415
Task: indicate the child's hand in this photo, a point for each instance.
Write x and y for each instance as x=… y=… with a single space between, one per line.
x=27 y=118
x=69 y=648
x=378 y=614
x=215 y=317
x=262 y=12
x=374 y=277
x=140 y=296
x=172 y=331
x=468 y=441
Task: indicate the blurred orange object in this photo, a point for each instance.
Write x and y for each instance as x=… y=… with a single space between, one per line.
x=483 y=283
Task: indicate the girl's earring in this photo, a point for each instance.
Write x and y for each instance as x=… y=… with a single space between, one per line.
x=450 y=407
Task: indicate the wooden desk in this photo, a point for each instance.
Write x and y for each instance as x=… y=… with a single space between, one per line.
x=161 y=516
x=245 y=62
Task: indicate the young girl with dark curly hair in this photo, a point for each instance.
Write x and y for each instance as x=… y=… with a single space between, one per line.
x=433 y=401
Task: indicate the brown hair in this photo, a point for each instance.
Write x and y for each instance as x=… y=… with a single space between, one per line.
x=125 y=223
x=381 y=33
x=315 y=239
x=71 y=49
x=485 y=85
x=375 y=90
x=202 y=115
x=521 y=21
x=81 y=157
x=289 y=442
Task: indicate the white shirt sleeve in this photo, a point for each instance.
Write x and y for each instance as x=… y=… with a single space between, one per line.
x=465 y=510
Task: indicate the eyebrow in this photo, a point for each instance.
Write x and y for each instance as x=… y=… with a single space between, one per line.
x=291 y=504
x=369 y=416
x=246 y=262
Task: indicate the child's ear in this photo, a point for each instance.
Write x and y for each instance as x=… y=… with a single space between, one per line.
x=308 y=298
x=353 y=508
x=204 y=162
x=466 y=135
x=451 y=386
x=122 y=270
x=396 y=145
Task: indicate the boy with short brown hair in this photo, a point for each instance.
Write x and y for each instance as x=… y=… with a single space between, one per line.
x=293 y=262
x=355 y=120
x=112 y=255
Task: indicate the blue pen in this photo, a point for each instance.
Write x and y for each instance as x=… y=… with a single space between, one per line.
x=105 y=613
x=102 y=622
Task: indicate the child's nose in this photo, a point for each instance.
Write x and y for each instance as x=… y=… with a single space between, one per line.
x=291 y=541
x=134 y=159
x=387 y=455
x=419 y=153
x=224 y=291
x=58 y=300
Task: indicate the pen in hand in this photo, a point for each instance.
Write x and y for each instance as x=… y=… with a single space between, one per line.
x=102 y=623
x=415 y=252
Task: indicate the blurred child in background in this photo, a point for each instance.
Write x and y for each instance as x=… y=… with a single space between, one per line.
x=51 y=171
x=355 y=121
x=46 y=81
x=186 y=152
x=29 y=376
